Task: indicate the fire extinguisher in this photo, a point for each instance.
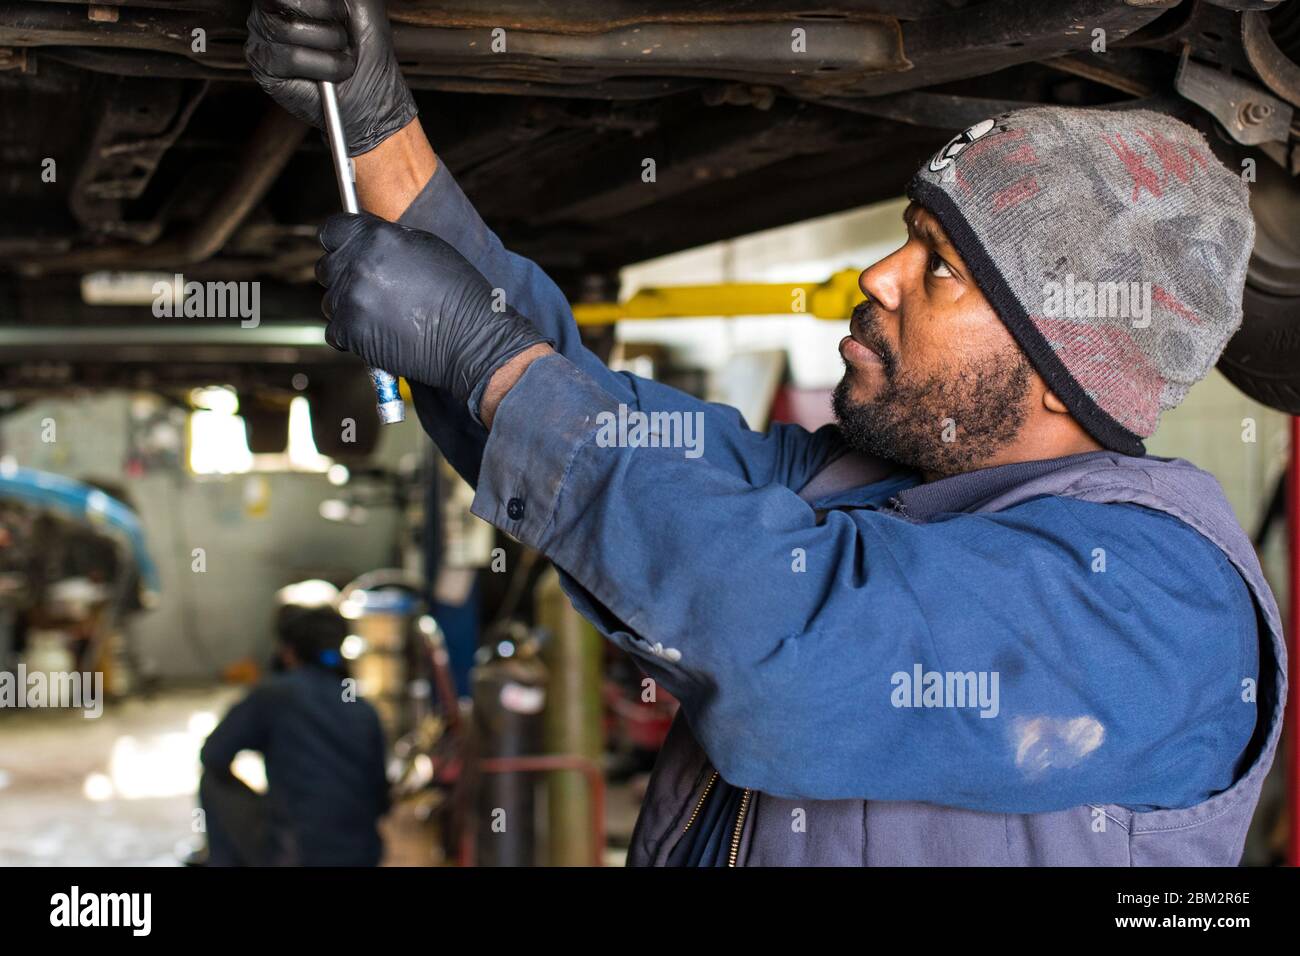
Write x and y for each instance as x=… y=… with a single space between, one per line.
x=509 y=691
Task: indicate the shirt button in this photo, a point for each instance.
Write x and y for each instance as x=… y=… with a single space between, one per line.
x=515 y=508
x=670 y=654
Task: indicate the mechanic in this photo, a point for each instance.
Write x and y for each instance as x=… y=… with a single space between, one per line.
x=983 y=514
x=324 y=750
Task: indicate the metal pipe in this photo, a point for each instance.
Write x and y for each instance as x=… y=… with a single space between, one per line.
x=1274 y=67
x=269 y=149
x=272 y=146
x=294 y=335
x=338 y=147
x=388 y=398
x=571 y=720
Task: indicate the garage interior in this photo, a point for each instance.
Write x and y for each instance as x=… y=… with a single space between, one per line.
x=170 y=481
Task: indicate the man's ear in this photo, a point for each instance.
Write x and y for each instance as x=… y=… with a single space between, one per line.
x=1052 y=403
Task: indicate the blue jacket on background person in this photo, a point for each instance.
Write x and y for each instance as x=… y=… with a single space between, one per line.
x=324 y=751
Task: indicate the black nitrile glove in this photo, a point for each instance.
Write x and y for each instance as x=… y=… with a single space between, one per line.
x=293 y=44
x=409 y=303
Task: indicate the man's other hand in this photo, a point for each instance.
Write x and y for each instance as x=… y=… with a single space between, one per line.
x=293 y=44
x=406 y=301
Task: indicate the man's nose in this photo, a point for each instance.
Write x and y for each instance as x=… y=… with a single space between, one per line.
x=882 y=282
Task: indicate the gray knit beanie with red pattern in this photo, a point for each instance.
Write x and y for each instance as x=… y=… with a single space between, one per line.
x=1114 y=246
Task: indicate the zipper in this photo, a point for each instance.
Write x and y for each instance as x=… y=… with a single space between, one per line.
x=699 y=805
x=739 y=828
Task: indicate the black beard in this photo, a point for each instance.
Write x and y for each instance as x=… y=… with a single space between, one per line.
x=906 y=422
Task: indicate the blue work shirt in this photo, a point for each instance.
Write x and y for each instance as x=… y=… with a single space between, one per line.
x=1119 y=636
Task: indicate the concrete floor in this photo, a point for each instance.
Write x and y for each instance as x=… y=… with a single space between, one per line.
x=114 y=791
x=119 y=790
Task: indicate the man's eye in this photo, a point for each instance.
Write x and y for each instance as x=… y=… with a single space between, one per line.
x=938 y=268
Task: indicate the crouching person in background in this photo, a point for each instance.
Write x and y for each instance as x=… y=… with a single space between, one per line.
x=324 y=750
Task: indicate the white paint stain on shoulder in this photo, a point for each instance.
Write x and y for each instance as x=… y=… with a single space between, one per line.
x=1043 y=743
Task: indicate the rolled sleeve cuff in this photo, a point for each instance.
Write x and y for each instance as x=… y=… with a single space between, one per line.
x=443 y=209
x=539 y=428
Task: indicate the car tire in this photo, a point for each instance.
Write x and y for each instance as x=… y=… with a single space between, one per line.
x=1263 y=358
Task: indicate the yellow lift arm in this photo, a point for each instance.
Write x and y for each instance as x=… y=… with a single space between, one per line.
x=832 y=299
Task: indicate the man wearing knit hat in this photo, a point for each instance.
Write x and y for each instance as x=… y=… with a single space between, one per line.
x=973 y=622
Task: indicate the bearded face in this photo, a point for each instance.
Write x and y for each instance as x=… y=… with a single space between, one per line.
x=942 y=417
x=933 y=378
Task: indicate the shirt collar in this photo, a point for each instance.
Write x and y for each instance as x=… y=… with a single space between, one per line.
x=904 y=492
x=969 y=489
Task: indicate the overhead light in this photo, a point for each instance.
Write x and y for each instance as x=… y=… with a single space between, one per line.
x=334 y=509
x=310 y=593
x=124 y=288
x=218 y=399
